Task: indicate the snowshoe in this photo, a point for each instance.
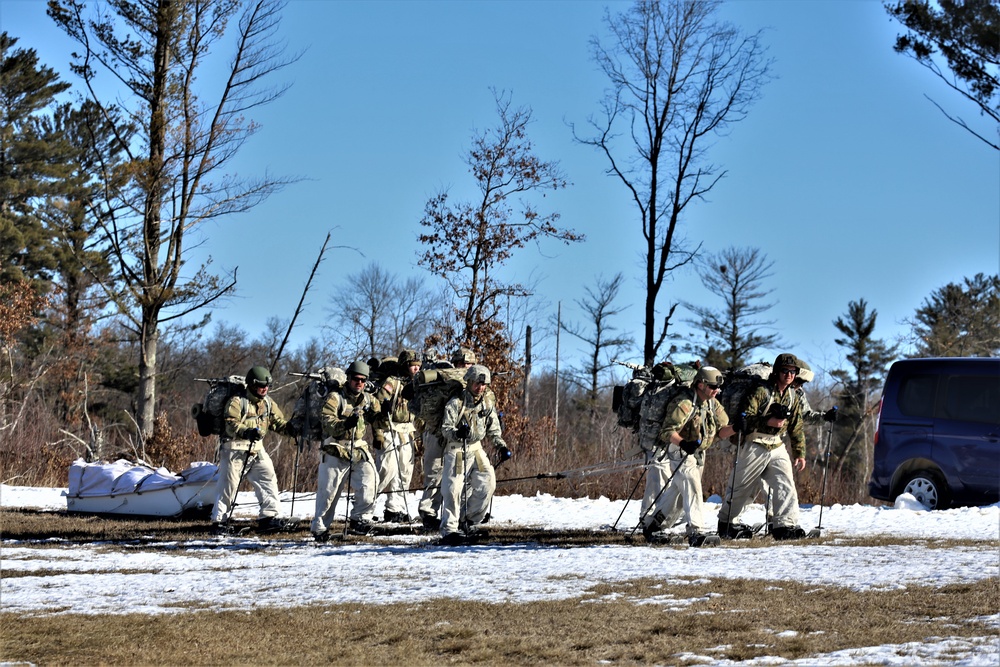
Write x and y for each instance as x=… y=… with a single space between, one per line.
x=788 y=533
x=735 y=531
x=396 y=517
x=455 y=539
x=275 y=524
x=430 y=521
x=814 y=534
x=704 y=540
x=361 y=527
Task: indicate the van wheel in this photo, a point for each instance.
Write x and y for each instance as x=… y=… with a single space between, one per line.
x=928 y=488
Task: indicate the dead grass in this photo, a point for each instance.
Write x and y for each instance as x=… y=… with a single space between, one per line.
x=637 y=622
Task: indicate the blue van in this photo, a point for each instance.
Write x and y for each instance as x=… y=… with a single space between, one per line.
x=938 y=432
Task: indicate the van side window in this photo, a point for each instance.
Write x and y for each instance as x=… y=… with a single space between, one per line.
x=916 y=395
x=973 y=398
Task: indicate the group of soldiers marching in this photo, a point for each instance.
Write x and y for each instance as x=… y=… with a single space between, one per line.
x=459 y=478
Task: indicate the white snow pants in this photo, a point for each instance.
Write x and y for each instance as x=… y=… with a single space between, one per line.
x=433 y=459
x=684 y=489
x=334 y=475
x=754 y=464
x=395 y=469
x=259 y=471
x=467 y=484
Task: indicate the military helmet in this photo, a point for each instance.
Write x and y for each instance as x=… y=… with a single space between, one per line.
x=709 y=375
x=358 y=368
x=333 y=376
x=786 y=359
x=805 y=372
x=463 y=355
x=477 y=373
x=407 y=357
x=258 y=376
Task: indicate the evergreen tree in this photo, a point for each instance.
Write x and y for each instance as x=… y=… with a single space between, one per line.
x=33 y=162
x=960 y=320
x=868 y=359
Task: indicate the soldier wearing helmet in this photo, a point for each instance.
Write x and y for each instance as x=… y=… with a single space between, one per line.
x=242 y=455
x=433 y=456
x=693 y=420
x=345 y=458
x=468 y=478
x=774 y=409
x=397 y=455
x=810 y=416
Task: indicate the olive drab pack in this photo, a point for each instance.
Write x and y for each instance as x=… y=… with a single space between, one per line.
x=640 y=403
x=739 y=384
x=307 y=412
x=210 y=414
x=433 y=388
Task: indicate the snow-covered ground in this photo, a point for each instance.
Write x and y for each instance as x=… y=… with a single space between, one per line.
x=214 y=573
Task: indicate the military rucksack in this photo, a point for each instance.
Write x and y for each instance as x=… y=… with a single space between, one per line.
x=739 y=385
x=210 y=414
x=629 y=401
x=433 y=388
x=307 y=412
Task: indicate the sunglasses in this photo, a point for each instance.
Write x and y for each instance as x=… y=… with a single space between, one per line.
x=714 y=386
x=789 y=371
x=358 y=378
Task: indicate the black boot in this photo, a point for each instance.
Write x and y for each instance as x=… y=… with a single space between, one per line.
x=735 y=531
x=788 y=533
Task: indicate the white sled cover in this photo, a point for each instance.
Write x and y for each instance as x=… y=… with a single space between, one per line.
x=123 y=487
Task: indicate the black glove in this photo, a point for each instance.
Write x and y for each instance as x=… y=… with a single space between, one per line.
x=407 y=391
x=253 y=434
x=830 y=415
x=463 y=432
x=740 y=423
x=351 y=422
x=503 y=453
x=371 y=414
x=689 y=446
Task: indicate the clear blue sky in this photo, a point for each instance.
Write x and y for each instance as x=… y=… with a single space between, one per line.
x=852 y=182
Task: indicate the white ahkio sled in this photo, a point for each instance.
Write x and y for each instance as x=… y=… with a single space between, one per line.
x=136 y=489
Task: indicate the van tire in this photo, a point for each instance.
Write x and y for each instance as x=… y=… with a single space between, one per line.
x=928 y=488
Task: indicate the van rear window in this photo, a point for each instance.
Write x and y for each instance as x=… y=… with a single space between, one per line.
x=916 y=395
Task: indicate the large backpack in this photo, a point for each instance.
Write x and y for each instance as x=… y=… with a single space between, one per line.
x=210 y=414
x=738 y=386
x=434 y=387
x=629 y=402
x=308 y=409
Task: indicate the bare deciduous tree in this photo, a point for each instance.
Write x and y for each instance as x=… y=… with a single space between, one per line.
x=678 y=79
x=599 y=334
x=375 y=313
x=175 y=163
x=732 y=333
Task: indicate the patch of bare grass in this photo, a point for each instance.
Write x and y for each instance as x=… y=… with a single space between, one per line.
x=631 y=622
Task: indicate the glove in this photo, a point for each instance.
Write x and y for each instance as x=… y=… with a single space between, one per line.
x=463 y=432
x=351 y=422
x=740 y=423
x=371 y=414
x=253 y=434
x=407 y=391
x=830 y=415
x=503 y=453
x=689 y=446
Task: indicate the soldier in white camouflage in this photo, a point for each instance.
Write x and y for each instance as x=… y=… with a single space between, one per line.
x=773 y=410
x=346 y=461
x=242 y=455
x=397 y=451
x=692 y=422
x=433 y=455
x=467 y=477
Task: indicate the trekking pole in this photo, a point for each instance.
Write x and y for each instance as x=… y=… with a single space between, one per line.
x=666 y=486
x=465 y=486
x=736 y=462
x=247 y=464
x=295 y=477
x=350 y=474
x=826 y=468
x=628 y=498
